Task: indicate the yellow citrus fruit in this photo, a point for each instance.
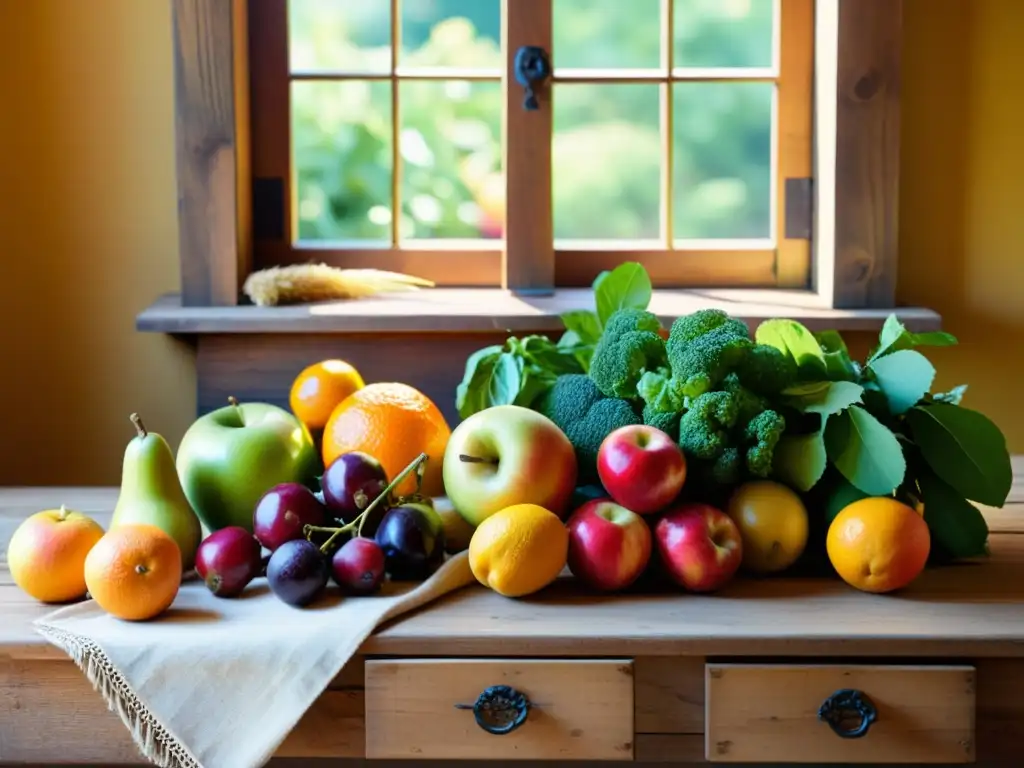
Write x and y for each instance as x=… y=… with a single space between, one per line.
x=46 y=554
x=878 y=544
x=134 y=571
x=773 y=525
x=319 y=388
x=519 y=550
x=394 y=423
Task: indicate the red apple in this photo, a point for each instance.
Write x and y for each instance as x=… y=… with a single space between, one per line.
x=641 y=467
x=609 y=545
x=699 y=546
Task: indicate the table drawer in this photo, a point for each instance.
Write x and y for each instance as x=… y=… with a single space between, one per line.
x=574 y=709
x=772 y=713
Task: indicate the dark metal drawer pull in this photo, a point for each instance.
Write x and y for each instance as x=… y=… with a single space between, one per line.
x=848 y=706
x=499 y=709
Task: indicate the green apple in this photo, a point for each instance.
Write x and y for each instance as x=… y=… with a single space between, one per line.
x=230 y=457
x=508 y=455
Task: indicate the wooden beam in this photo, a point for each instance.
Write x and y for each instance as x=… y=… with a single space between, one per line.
x=529 y=263
x=211 y=104
x=857 y=114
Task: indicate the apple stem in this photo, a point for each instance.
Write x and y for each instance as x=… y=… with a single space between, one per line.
x=476 y=459
x=140 y=428
x=63 y=513
x=232 y=400
x=357 y=524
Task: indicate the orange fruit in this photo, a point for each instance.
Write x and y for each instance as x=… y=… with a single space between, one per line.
x=319 y=388
x=134 y=571
x=878 y=544
x=394 y=423
x=46 y=555
x=519 y=550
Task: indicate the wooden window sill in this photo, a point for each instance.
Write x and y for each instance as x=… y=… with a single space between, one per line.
x=439 y=310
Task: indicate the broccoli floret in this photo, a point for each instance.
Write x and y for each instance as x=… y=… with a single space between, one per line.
x=704 y=428
x=700 y=362
x=666 y=421
x=696 y=324
x=764 y=431
x=629 y=346
x=767 y=370
x=586 y=417
x=748 y=403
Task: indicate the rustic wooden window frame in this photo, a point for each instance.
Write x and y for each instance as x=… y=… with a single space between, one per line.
x=855 y=172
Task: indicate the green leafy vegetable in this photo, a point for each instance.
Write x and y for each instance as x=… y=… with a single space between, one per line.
x=800 y=460
x=964 y=448
x=839 y=366
x=823 y=397
x=584 y=323
x=895 y=336
x=956 y=525
x=865 y=451
x=628 y=286
x=794 y=340
x=904 y=376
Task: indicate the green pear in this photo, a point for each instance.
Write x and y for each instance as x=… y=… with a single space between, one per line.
x=151 y=493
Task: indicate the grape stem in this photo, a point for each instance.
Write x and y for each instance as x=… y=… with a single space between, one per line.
x=357 y=523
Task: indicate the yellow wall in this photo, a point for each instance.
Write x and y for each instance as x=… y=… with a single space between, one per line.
x=88 y=233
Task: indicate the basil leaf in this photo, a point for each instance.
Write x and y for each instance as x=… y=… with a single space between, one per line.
x=825 y=398
x=800 y=460
x=548 y=356
x=957 y=526
x=470 y=394
x=904 y=377
x=793 y=339
x=894 y=336
x=584 y=323
x=534 y=385
x=505 y=381
x=626 y=286
x=965 y=449
x=865 y=451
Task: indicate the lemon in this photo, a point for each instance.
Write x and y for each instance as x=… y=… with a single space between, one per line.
x=773 y=525
x=519 y=550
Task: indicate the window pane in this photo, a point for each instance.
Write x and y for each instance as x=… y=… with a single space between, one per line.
x=451 y=33
x=607 y=34
x=722 y=152
x=342 y=139
x=723 y=33
x=607 y=159
x=450 y=144
x=339 y=35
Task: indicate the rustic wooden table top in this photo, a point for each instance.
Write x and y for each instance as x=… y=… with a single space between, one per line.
x=974 y=609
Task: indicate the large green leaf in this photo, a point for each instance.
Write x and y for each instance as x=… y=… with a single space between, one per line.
x=865 y=451
x=800 y=460
x=904 y=378
x=839 y=366
x=965 y=449
x=795 y=340
x=584 y=323
x=956 y=525
x=894 y=336
x=626 y=286
x=825 y=398
x=471 y=393
x=505 y=380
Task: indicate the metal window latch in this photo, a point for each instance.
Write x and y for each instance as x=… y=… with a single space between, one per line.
x=532 y=70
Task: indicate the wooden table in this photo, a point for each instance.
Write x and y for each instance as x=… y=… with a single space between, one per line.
x=732 y=677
